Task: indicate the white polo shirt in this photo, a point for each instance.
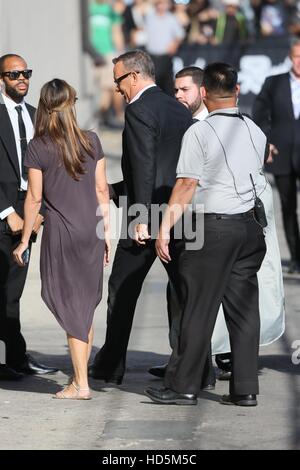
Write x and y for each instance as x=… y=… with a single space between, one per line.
x=224 y=188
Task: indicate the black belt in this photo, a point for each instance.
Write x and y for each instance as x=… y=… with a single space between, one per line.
x=242 y=215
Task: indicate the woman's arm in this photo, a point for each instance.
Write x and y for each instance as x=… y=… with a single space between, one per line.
x=32 y=207
x=102 y=193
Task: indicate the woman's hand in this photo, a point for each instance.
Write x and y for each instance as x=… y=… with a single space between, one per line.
x=18 y=252
x=37 y=224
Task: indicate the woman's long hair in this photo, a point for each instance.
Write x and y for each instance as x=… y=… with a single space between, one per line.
x=56 y=118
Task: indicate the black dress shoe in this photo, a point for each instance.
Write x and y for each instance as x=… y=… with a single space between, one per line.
x=99 y=375
x=224 y=375
x=158 y=371
x=207 y=387
x=6 y=373
x=166 y=396
x=224 y=361
x=30 y=367
x=239 y=400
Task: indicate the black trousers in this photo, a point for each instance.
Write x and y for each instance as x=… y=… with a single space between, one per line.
x=175 y=308
x=12 y=281
x=223 y=271
x=130 y=267
x=287 y=188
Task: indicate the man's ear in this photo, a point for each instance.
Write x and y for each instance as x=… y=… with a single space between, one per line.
x=135 y=78
x=237 y=90
x=202 y=92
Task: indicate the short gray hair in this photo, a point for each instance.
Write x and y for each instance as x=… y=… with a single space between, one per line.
x=294 y=42
x=137 y=61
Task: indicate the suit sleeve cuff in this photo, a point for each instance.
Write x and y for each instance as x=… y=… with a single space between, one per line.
x=6 y=212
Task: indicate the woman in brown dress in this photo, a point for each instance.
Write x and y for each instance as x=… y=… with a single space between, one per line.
x=67 y=169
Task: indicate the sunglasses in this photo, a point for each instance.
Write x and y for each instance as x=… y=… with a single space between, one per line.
x=117 y=81
x=15 y=74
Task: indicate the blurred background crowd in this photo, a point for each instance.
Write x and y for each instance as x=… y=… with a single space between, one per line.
x=203 y=21
x=161 y=27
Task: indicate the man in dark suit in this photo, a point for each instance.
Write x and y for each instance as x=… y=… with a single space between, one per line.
x=154 y=126
x=16 y=129
x=277 y=111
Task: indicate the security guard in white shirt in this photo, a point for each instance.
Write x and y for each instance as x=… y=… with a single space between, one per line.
x=219 y=166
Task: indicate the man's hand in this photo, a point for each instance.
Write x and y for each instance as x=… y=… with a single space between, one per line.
x=37 y=224
x=15 y=223
x=162 y=247
x=141 y=234
x=273 y=151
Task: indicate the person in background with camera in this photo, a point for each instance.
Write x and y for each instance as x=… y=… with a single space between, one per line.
x=180 y=11
x=134 y=18
x=66 y=165
x=219 y=167
x=16 y=130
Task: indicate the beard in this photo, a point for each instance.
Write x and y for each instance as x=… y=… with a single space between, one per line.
x=193 y=107
x=14 y=94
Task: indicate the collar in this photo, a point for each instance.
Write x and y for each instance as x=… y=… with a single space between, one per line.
x=11 y=104
x=293 y=77
x=201 y=115
x=234 y=110
x=139 y=94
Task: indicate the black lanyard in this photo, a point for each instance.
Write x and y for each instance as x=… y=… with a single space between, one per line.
x=238 y=115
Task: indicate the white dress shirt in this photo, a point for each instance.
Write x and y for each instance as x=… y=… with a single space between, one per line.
x=295 y=91
x=202 y=114
x=139 y=94
x=13 y=116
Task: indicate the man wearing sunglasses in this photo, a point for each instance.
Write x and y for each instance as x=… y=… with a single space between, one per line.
x=154 y=126
x=16 y=130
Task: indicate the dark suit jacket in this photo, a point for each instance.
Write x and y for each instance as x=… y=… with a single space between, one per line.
x=273 y=113
x=154 y=127
x=10 y=178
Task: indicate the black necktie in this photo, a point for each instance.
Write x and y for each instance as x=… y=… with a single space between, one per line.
x=23 y=140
